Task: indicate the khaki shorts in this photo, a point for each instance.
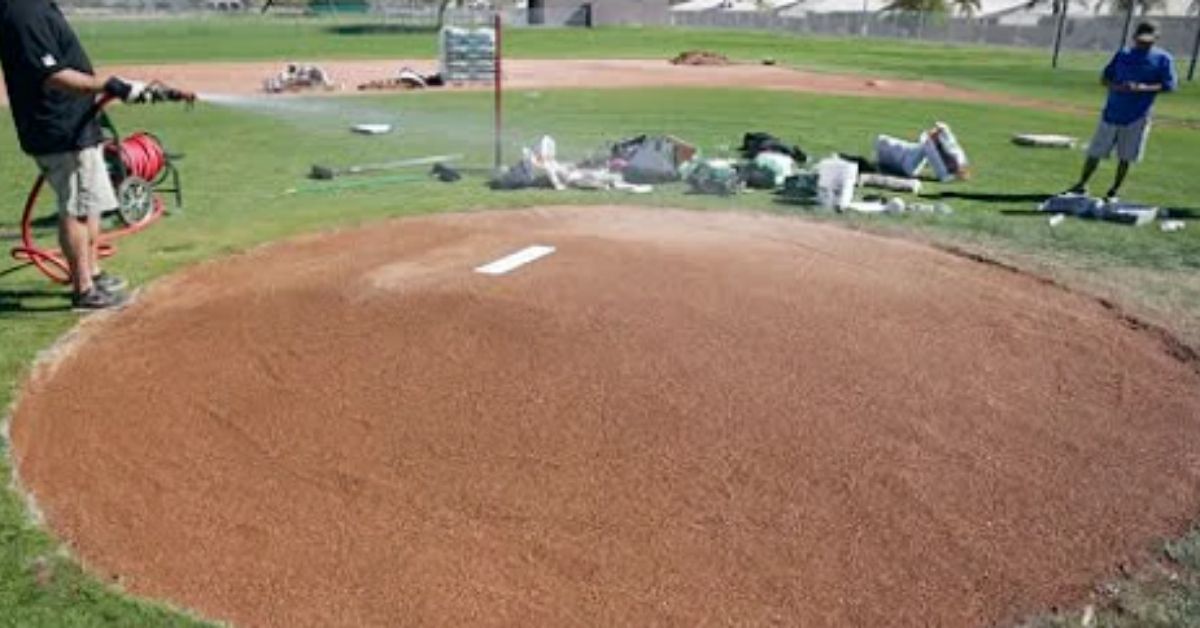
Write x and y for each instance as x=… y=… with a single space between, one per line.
x=1128 y=139
x=80 y=181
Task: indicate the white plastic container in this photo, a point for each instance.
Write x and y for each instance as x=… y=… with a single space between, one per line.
x=836 y=179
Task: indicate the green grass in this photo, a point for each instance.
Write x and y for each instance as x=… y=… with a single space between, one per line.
x=240 y=165
x=1164 y=595
x=1017 y=71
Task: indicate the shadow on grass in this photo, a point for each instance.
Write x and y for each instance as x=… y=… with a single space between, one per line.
x=380 y=29
x=12 y=269
x=43 y=223
x=47 y=221
x=14 y=301
x=991 y=197
x=27 y=300
x=1182 y=212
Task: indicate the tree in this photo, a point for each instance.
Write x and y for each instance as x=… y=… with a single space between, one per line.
x=961 y=7
x=442 y=6
x=1057 y=6
x=966 y=8
x=916 y=6
x=1120 y=7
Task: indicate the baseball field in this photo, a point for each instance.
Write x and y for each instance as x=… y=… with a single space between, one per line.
x=697 y=410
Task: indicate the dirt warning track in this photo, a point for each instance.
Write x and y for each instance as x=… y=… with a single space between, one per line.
x=245 y=78
x=673 y=418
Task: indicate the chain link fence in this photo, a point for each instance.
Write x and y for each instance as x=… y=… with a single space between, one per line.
x=388 y=12
x=1027 y=25
x=1082 y=32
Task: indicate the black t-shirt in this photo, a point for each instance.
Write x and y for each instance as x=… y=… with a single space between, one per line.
x=36 y=42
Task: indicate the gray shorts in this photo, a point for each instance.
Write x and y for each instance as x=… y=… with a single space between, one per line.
x=80 y=181
x=1128 y=139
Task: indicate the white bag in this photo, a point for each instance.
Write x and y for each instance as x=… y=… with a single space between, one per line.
x=783 y=166
x=835 y=182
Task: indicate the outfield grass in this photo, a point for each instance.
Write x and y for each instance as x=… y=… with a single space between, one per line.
x=1019 y=71
x=240 y=165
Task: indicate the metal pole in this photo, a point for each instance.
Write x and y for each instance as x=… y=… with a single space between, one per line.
x=1195 y=51
x=1128 y=24
x=498 y=85
x=1058 y=33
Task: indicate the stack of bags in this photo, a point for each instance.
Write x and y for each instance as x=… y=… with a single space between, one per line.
x=467 y=55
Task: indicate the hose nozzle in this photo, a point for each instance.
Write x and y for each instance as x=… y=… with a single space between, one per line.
x=160 y=92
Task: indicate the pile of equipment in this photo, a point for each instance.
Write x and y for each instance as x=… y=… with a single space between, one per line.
x=298 y=77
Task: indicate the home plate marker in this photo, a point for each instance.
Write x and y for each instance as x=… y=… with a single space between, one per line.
x=516 y=260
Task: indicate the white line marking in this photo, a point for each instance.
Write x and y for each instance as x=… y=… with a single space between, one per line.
x=516 y=260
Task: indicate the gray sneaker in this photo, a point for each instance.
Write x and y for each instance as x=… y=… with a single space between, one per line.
x=96 y=299
x=111 y=284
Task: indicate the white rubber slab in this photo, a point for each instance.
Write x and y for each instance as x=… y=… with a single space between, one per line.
x=512 y=262
x=372 y=129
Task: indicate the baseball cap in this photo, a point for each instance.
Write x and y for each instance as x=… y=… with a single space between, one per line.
x=1146 y=32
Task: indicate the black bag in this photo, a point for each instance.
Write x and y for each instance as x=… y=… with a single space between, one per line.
x=758 y=177
x=757 y=142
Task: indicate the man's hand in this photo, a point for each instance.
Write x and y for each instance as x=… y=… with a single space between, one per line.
x=128 y=91
x=1114 y=86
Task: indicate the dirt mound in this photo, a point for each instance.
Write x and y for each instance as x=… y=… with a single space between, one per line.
x=675 y=418
x=700 y=57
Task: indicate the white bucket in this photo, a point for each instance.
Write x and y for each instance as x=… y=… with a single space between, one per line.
x=835 y=182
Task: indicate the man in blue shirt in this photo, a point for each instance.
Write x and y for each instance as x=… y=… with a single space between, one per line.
x=1134 y=78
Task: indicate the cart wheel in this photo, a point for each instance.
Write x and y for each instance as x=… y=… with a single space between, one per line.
x=135 y=196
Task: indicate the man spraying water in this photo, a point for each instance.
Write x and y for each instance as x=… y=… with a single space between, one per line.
x=51 y=90
x=1134 y=78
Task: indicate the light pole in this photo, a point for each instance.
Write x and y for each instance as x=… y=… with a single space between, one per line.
x=1128 y=23
x=1058 y=32
x=1195 y=48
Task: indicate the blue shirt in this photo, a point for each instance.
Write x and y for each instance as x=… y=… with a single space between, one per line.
x=1132 y=65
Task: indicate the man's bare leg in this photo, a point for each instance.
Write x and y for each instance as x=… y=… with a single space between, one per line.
x=1089 y=168
x=93 y=226
x=1122 y=170
x=75 y=238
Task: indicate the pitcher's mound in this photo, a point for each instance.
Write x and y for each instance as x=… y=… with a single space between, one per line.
x=671 y=418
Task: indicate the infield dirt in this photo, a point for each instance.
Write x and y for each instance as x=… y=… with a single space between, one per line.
x=678 y=418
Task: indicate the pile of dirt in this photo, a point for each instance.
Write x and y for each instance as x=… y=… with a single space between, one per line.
x=678 y=418
x=536 y=74
x=700 y=57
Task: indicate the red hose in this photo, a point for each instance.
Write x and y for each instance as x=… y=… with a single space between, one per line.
x=142 y=155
